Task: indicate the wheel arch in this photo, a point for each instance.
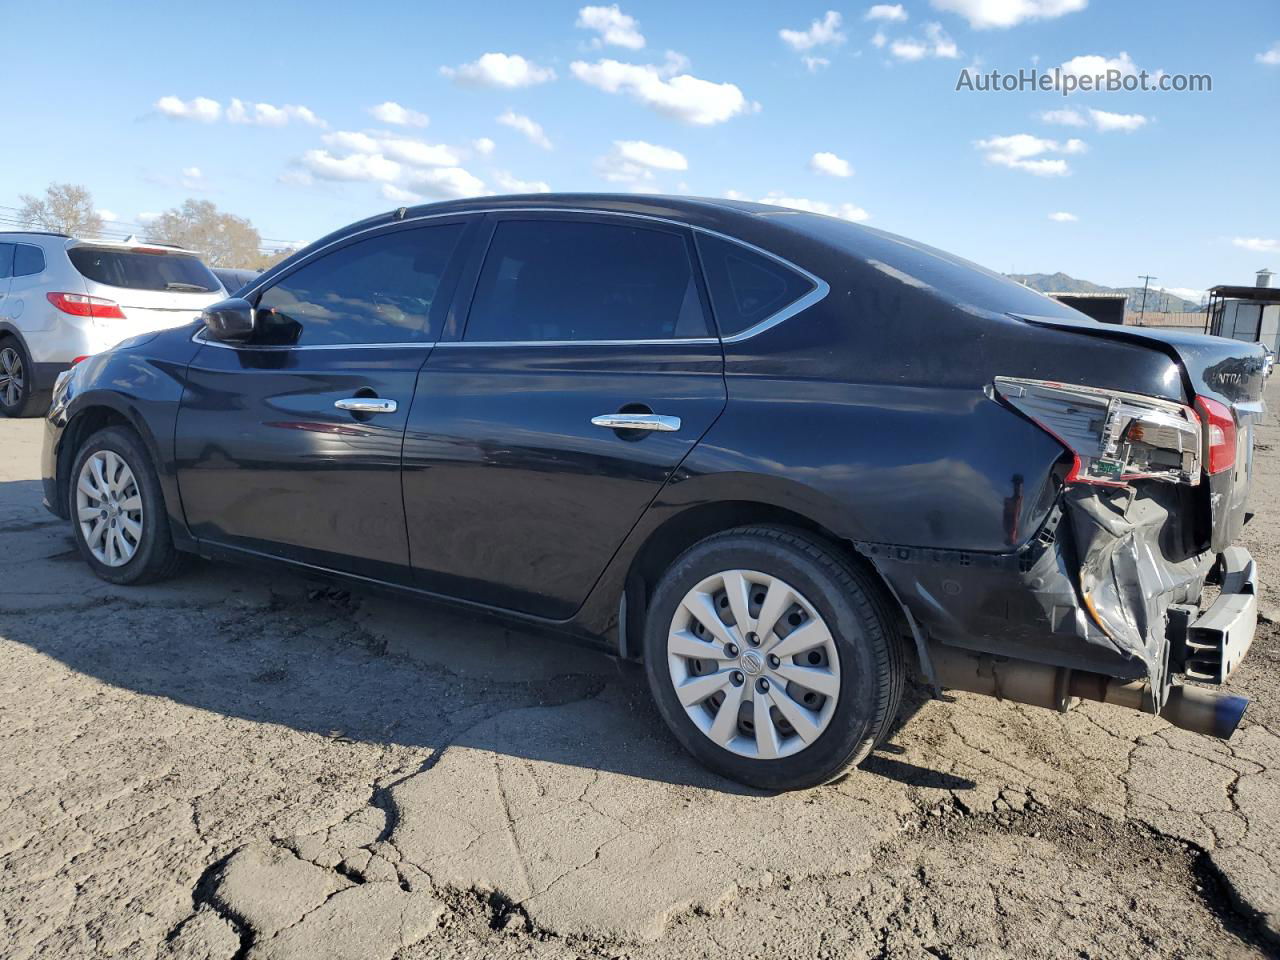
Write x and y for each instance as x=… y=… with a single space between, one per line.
x=683 y=528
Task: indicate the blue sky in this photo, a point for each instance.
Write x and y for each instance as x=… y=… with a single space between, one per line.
x=851 y=110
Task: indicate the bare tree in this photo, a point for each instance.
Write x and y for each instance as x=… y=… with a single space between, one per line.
x=221 y=239
x=64 y=208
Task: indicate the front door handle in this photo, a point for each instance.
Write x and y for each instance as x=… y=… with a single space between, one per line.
x=637 y=421
x=368 y=405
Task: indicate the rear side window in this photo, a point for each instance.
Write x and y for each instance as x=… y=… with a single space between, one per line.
x=746 y=287
x=576 y=280
x=27 y=260
x=379 y=290
x=6 y=261
x=133 y=270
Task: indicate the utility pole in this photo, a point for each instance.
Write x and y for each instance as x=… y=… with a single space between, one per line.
x=1146 y=280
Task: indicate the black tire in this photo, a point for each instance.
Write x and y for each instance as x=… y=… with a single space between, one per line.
x=25 y=402
x=861 y=621
x=155 y=557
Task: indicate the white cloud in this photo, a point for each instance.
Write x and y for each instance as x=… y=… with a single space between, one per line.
x=633 y=162
x=1106 y=122
x=1270 y=57
x=403 y=149
x=483 y=146
x=529 y=127
x=500 y=70
x=1096 y=65
x=814 y=64
x=1063 y=217
x=269 y=115
x=199 y=108
x=1257 y=244
x=1022 y=151
x=879 y=40
x=107 y=216
x=1065 y=118
x=447 y=182
x=936 y=43
x=651 y=155
x=830 y=164
x=145 y=218
x=845 y=211
x=192 y=173
x=399 y=194
x=891 y=12
x=373 y=167
x=821 y=33
x=984 y=14
x=398 y=116
x=515 y=185
x=1184 y=293
x=680 y=95
x=613 y=26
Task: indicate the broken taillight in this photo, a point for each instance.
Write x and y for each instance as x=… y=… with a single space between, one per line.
x=1220 y=434
x=1113 y=436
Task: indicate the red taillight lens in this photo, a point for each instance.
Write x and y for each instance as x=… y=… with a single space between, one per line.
x=79 y=359
x=1220 y=434
x=79 y=305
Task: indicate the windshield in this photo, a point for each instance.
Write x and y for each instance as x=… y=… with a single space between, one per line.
x=134 y=270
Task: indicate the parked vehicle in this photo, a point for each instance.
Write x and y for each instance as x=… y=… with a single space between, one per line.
x=232 y=280
x=63 y=299
x=774 y=455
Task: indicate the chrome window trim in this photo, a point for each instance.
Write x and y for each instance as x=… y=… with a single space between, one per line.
x=200 y=337
x=819 y=292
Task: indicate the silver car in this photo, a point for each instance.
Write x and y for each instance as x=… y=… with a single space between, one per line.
x=63 y=299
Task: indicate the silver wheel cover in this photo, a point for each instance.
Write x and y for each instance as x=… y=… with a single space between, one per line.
x=753 y=664
x=109 y=508
x=12 y=378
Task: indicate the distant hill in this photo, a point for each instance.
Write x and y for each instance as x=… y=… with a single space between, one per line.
x=1157 y=300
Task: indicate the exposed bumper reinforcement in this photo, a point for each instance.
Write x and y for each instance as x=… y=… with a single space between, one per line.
x=1218 y=639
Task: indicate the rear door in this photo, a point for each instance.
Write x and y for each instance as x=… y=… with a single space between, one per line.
x=290 y=445
x=6 y=276
x=551 y=415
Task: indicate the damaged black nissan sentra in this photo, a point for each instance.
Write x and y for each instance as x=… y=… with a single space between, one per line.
x=774 y=455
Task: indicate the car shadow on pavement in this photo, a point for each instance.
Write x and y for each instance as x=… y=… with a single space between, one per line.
x=275 y=648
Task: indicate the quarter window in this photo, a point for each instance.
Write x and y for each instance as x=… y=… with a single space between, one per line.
x=746 y=287
x=27 y=260
x=6 y=261
x=380 y=290
x=579 y=280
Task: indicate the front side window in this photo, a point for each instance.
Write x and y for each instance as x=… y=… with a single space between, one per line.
x=577 y=280
x=746 y=287
x=139 y=270
x=379 y=290
x=27 y=260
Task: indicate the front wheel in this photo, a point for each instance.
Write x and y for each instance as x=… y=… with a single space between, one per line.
x=117 y=510
x=773 y=661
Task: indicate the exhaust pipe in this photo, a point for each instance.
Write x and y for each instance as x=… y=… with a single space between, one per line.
x=1060 y=688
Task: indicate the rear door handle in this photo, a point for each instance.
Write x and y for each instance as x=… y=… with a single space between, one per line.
x=637 y=421
x=366 y=405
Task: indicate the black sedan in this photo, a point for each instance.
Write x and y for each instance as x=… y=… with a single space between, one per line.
x=776 y=456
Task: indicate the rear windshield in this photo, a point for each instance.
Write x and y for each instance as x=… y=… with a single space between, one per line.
x=174 y=272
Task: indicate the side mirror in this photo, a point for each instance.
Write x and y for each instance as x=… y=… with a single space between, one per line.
x=231 y=321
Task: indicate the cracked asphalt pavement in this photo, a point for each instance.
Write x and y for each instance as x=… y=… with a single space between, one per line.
x=239 y=764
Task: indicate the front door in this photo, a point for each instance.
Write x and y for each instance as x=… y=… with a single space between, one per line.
x=290 y=445
x=586 y=370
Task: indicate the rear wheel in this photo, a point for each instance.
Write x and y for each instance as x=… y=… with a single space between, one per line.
x=17 y=386
x=117 y=511
x=773 y=661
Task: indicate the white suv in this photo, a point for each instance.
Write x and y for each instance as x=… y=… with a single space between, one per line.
x=63 y=299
